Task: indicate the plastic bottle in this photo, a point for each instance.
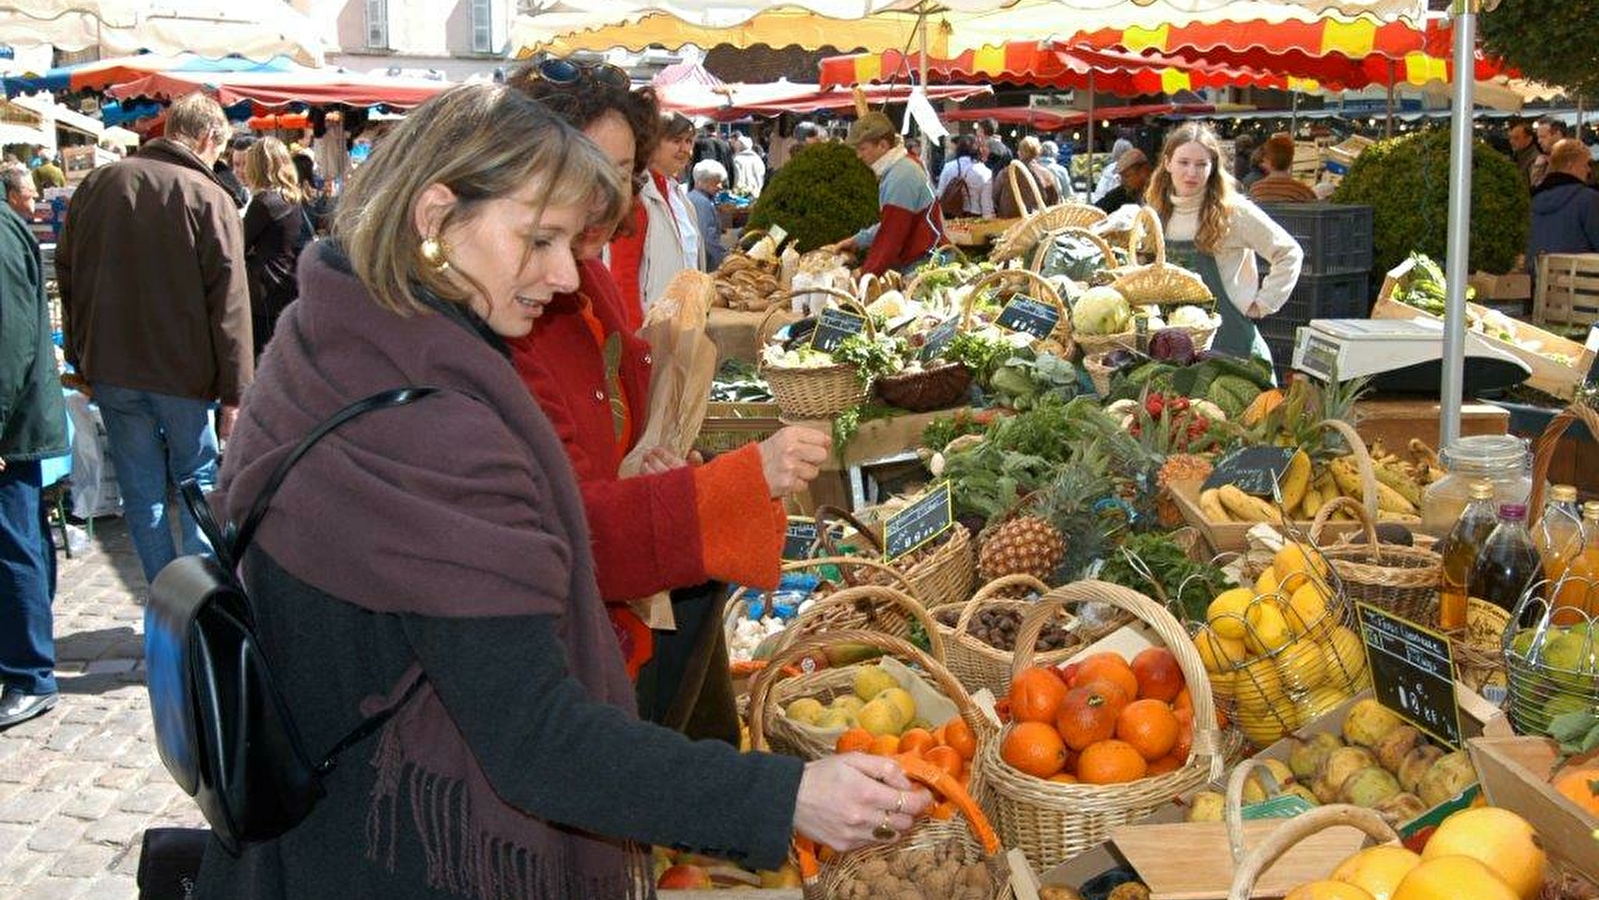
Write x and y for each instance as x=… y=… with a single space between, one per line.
x=1459 y=551
x=1559 y=538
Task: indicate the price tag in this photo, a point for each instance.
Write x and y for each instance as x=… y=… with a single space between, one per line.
x=800 y=542
x=1284 y=807
x=1025 y=315
x=939 y=339
x=833 y=326
x=1412 y=672
x=1254 y=470
x=1141 y=326
x=912 y=527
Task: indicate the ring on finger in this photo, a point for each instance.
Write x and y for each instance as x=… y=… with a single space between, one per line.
x=899 y=805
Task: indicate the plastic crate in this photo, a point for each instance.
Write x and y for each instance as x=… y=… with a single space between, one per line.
x=1325 y=297
x=1336 y=238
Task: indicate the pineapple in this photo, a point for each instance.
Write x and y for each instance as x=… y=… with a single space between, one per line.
x=1024 y=545
x=1177 y=467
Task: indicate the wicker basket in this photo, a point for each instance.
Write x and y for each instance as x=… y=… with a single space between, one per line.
x=974 y=661
x=1402 y=580
x=1051 y=822
x=1202 y=337
x=1046 y=293
x=776 y=686
x=1292 y=831
x=816 y=393
x=1095 y=344
x=1041 y=252
x=729 y=426
x=1158 y=283
x=1019 y=239
x=968 y=829
x=940 y=387
x=947 y=575
x=1099 y=373
x=877 y=612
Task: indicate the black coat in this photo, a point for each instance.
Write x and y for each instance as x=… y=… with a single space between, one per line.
x=275 y=231
x=33 y=418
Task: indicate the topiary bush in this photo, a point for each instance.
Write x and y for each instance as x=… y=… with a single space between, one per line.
x=1549 y=42
x=1406 y=182
x=822 y=195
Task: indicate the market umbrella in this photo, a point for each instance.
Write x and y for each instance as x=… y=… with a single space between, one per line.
x=1045 y=64
x=1049 y=120
x=735 y=101
x=274 y=90
x=207 y=27
x=101 y=74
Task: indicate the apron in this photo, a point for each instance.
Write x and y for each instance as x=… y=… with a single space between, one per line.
x=1238 y=335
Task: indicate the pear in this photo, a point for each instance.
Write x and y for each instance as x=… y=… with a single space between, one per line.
x=1394 y=746
x=902 y=701
x=1400 y=808
x=1369 y=787
x=1261 y=786
x=1415 y=765
x=1206 y=806
x=805 y=709
x=830 y=719
x=1303 y=793
x=1305 y=757
x=1448 y=776
x=1338 y=766
x=871 y=681
x=1368 y=722
x=881 y=717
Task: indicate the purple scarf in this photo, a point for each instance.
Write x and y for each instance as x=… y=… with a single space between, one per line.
x=451 y=507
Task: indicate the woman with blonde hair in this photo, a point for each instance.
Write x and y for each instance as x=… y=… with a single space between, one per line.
x=433 y=560
x=276 y=229
x=1215 y=231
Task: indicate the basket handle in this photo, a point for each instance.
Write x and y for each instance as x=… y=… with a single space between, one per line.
x=1294 y=830
x=1207 y=739
x=1548 y=443
x=786 y=657
x=764 y=332
x=824 y=534
x=1234 y=815
x=1026 y=175
x=869 y=288
x=992 y=588
x=1046 y=292
x=812 y=621
x=1368 y=472
x=1146 y=218
x=1044 y=243
x=1358 y=510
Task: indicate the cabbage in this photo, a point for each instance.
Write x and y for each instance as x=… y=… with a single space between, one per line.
x=1101 y=310
x=1189 y=317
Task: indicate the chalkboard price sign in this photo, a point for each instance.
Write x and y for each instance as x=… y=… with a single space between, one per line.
x=914 y=526
x=1025 y=315
x=834 y=326
x=800 y=543
x=939 y=339
x=1412 y=672
x=1254 y=470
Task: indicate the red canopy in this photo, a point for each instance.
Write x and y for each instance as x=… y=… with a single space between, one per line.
x=735 y=101
x=1045 y=120
x=316 y=88
x=1046 y=64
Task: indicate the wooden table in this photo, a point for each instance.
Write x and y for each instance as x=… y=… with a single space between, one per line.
x=1396 y=419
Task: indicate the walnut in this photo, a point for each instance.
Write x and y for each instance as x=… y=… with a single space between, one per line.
x=872 y=869
x=1132 y=890
x=939 y=882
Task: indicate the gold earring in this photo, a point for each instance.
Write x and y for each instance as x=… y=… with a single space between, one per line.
x=436 y=253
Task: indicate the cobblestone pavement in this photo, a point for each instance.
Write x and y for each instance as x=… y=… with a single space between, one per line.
x=79 y=785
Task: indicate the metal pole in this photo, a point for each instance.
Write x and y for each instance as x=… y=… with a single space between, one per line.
x=1091 y=154
x=1389 y=128
x=921 y=34
x=1457 y=264
x=1293 y=115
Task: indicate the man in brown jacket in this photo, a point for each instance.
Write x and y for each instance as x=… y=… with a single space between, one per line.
x=157 y=316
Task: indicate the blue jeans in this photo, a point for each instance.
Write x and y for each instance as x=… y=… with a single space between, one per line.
x=27 y=558
x=156 y=442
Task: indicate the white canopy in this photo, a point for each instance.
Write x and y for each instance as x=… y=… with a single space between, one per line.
x=214 y=28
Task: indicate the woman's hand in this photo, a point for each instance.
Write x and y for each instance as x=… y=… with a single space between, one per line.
x=843 y=799
x=1256 y=311
x=792 y=458
x=658 y=460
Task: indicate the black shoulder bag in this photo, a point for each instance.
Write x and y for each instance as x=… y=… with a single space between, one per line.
x=223 y=728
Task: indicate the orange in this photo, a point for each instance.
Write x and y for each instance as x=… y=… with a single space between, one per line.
x=1034 y=748
x=1167 y=764
x=1150 y=727
x=1579 y=785
x=1111 y=762
x=1185 y=733
x=945 y=758
x=1063 y=778
x=943 y=811
x=1503 y=841
x=1184 y=700
x=958 y=734
x=1035 y=696
x=884 y=745
x=1159 y=676
x=855 y=740
x=938 y=736
x=1089 y=714
x=1110 y=667
x=916 y=740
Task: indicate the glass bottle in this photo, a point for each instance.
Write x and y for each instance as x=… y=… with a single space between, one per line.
x=1503 y=460
x=1559 y=539
x=1459 y=551
x=1507 y=566
x=1582 y=576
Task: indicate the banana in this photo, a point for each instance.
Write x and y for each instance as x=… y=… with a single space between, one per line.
x=1310 y=503
x=1295 y=480
x=1347 y=474
x=1211 y=506
x=1246 y=508
x=1399 y=483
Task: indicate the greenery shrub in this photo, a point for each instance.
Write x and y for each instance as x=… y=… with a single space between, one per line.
x=1550 y=42
x=822 y=195
x=1406 y=182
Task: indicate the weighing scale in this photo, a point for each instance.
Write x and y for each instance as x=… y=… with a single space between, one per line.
x=1400 y=355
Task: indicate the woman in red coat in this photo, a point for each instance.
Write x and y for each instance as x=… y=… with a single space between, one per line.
x=675 y=526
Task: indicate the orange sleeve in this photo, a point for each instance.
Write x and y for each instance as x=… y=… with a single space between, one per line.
x=741 y=527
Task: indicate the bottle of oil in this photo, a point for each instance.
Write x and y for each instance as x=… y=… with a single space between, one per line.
x=1507 y=566
x=1559 y=539
x=1460 y=551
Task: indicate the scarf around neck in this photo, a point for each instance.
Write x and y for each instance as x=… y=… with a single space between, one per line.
x=887 y=160
x=391 y=517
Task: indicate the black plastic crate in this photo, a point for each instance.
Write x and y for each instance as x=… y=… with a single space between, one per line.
x=1326 y=297
x=1336 y=237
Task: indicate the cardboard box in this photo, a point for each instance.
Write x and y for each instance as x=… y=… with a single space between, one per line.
x=1515 y=774
x=1514 y=286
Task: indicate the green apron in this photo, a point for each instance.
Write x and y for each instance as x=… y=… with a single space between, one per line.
x=1238 y=335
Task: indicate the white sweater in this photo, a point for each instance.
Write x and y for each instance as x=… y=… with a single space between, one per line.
x=1251 y=232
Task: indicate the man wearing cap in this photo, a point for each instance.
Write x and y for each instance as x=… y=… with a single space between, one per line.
x=1133 y=169
x=909 y=223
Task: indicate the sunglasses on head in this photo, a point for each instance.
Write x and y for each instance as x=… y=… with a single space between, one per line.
x=566 y=71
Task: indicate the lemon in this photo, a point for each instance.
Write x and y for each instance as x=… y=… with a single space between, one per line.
x=1320 y=702
x=1301 y=666
x=1258 y=686
x=1219 y=654
x=1223 y=684
x=805 y=709
x=834 y=718
x=1296 y=564
x=902 y=701
x=1226 y=613
x=1268 y=627
x=871 y=681
x=1346 y=658
x=881 y=717
x=1307 y=609
x=1265 y=727
x=1267 y=582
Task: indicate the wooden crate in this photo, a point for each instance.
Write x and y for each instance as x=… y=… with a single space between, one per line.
x=1233 y=537
x=1548 y=375
x=1515 y=774
x=1568 y=289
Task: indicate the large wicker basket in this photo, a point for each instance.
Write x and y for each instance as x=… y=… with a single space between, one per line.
x=1019 y=239
x=821 y=392
x=731 y=425
x=977 y=663
x=868 y=612
x=946 y=575
x=1402 y=580
x=1159 y=283
x=1046 y=292
x=1051 y=822
x=968 y=830
x=778 y=685
x=940 y=387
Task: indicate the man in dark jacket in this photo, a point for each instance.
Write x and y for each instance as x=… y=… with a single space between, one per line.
x=157 y=314
x=1524 y=149
x=1565 y=210
x=33 y=427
